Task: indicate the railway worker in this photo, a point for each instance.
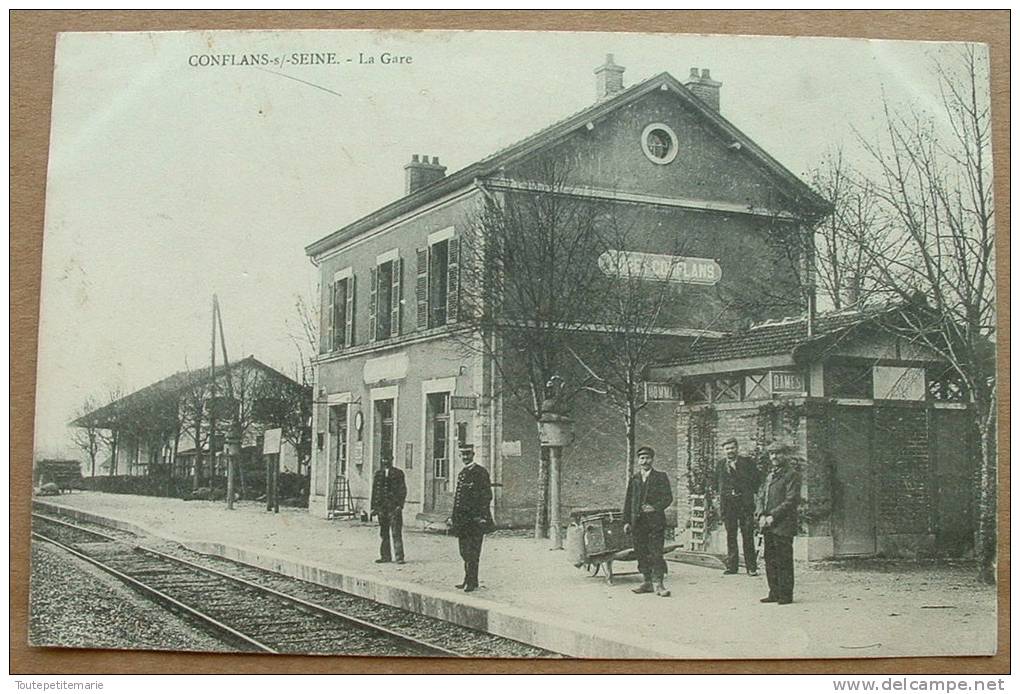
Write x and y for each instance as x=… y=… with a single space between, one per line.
x=778 y=521
x=471 y=518
x=388 y=494
x=738 y=481
x=648 y=495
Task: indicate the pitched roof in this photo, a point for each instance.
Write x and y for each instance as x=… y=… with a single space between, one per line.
x=785 y=336
x=166 y=388
x=811 y=201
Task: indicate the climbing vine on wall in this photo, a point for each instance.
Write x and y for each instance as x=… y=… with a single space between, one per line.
x=701 y=429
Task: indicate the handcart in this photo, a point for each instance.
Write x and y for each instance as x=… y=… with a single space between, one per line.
x=596 y=538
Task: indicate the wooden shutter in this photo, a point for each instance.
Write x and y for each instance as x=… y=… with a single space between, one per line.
x=328 y=318
x=421 y=288
x=351 y=284
x=395 y=295
x=453 y=281
x=373 y=282
x=339 y=299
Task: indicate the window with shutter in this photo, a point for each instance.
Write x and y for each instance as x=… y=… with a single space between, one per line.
x=373 y=303
x=439 y=261
x=396 y=268
x=421 y=288
x=339 y=329
x=352 y=282
x=327 y=319
x=453 y=281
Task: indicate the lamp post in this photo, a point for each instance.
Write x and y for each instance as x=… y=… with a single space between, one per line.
x=555 y=432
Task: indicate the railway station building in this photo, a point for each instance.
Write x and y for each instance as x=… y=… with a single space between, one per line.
x=396 y=375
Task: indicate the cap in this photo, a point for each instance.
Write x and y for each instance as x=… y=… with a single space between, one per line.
x=732 y=439
x=646 y=449
x=466 y=448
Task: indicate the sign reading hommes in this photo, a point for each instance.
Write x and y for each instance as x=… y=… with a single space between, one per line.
x=661 y=268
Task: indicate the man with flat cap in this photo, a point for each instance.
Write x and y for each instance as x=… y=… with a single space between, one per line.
x=738 y=483
x=648 y=495
x=471 y=517
x=389 y=491
x=779 y=522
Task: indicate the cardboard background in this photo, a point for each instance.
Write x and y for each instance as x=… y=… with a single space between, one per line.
x=32 y=36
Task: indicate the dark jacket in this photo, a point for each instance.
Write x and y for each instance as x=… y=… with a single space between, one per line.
x=738 y=488
x=779 y=499
x=388 y=493
x=656 y=492
x=471 y=500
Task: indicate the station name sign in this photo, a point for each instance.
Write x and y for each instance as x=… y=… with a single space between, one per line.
x=659 y=267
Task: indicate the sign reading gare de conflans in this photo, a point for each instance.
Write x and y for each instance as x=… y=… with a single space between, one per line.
x=662 y=268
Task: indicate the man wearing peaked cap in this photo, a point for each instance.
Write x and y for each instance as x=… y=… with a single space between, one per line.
x=738 y=481
x=779 y=522
x=648 y=495
x=471 y=517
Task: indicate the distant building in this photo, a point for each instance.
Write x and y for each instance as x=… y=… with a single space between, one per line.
x=163 y=429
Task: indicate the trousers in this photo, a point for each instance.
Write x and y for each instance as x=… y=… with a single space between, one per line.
x=743 y=521
x=779 y=565
x=391 y=523
x=470 y=545
x=649 y=538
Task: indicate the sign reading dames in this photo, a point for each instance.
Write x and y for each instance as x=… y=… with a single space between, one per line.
x=661 y=268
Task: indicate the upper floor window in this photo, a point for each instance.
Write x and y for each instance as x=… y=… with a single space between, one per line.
x=340 y=311
x=437 y=289
x=384 y=301
x=659 y=143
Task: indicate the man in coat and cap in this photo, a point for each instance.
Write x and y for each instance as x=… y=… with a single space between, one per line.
x=471 y=517
x=779 y=522
x=648 y=495
x=738 y=483
x=389 y=491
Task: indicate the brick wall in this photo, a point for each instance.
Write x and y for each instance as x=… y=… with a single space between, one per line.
x=902 y=474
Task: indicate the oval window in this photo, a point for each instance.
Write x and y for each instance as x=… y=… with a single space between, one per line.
x=659 y=143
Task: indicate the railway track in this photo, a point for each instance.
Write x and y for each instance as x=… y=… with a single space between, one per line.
x=241 y=612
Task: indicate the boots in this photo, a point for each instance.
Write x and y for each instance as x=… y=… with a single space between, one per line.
x=660 y=589
x=645 y=587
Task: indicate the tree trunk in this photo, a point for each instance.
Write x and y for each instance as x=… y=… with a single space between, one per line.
x=113 y=454
x=987 y=507
x=630 y=421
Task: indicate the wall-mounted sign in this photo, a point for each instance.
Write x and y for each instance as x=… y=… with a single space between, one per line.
x=358 y=454
x=408 y=455
x=787 y=382
x=271 y=442
x=661 y=268
x=510 y=449
x=463 y=402
x=661 y=392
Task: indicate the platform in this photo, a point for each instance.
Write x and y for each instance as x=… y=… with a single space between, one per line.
x=532 y=594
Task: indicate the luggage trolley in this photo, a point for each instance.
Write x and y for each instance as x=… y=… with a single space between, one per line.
x=596 y=539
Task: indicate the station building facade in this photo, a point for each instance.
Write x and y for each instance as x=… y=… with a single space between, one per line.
x=397 y=374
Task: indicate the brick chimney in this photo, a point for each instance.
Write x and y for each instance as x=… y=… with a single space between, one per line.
x=608 y=78
x=419 y=173
x=704 y=87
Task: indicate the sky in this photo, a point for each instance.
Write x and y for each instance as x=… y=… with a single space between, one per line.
x=171 y=179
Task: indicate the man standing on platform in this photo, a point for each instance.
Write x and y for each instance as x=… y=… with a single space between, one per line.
x=648 y=496
x=778 y=520
x=388 y=494
x=738 y=488
x=471 y=518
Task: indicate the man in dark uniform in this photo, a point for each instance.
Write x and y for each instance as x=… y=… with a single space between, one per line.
x=738 y=488
x=778 y=520
x=648 y=495
x=388 y=494
x=471 y=516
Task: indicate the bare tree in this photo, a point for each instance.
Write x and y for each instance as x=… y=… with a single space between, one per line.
x=633 y=325
x=845 y=271
x=530 y=279
x=303 y=331
x=110 y=436
x=88 y=438
x=934 y=187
